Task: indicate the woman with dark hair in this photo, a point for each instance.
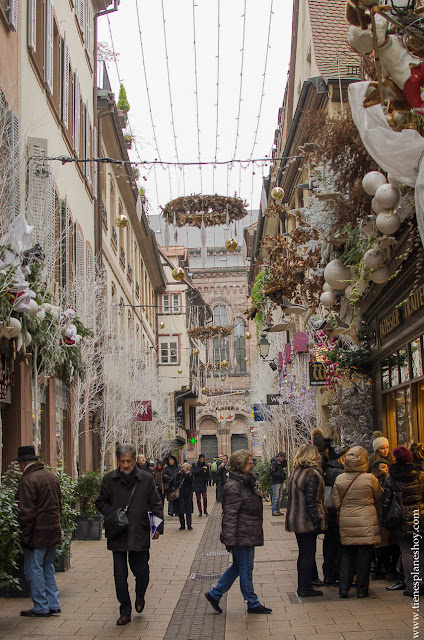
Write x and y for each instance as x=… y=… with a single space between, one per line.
x=306 y=514
x=242 y=517
x=183 y=480
x=158 y=473
x=171 y=469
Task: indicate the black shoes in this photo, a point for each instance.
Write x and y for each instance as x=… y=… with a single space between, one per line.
x=362 y=594
x=259 y=609
x=54 y=612
x=308 y=593
x=317 y=583
x=139 y=604
x=30 y=613
x=399 y=585
x=329 y=583
x=343 y=594
x=190 y=528
x=200 y=514
x=123 y=620
x=214 y=603
x=182 y=528
x=206 y=513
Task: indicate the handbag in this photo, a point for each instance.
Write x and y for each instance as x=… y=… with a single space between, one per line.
x=327 y=497
x=116 y=522
x=394 y=517
x=175 y=494
x=351 y=483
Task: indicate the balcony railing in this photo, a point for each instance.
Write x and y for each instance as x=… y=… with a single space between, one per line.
x=129 y=272
x=114 y=238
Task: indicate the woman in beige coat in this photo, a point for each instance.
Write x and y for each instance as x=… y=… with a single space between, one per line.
x=357 y=495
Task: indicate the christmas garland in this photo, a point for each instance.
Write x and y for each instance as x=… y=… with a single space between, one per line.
x=203 y=333
x=211 y=210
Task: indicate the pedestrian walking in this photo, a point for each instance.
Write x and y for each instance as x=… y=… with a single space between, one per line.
x=242 y=517
x=357 y=495
x=405 y=486
x=278 y=475
x=144 y=464
x=221 y=476
x=40 y=504
x=130 y=485
x=158 y=474
x=171 y=468
x=331 y=546
x=183 y=480
x=306 y=515
x=201 y=476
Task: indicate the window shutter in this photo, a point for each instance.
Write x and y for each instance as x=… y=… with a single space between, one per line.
x=90 y=316
x=95 y=167
x=79 y=9
x=37 y=182
x=88 y=148
x=49 y=240
x=32 y=24
x=64 y=252
x=77 y=115
x=14 y=166
x=84 y=138
x=13 y=14
x=88 y=29
x=65 y=85
x=49 y=47
x=78 y=279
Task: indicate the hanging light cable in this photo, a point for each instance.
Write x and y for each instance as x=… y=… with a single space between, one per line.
x=197 y=96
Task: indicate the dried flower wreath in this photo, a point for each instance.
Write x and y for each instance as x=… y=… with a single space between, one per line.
x=203 y=333
x=212 y=210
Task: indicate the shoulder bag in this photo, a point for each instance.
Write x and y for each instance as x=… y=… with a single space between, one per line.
x=350 y=484
x=116 y=523
x=175 y=494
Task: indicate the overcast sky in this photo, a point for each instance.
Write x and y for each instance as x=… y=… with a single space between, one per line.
x=169 y=183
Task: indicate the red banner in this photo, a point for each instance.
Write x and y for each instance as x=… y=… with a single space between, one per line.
x=142 y=411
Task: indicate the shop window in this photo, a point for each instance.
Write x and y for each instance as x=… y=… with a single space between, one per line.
x=394 y=371
x=404 y=430
x=403 y=365
x=385 y=374
x=417 y=358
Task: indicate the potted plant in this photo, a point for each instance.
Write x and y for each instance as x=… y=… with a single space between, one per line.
x=89 y=521
x=68 y=523
x=142 y=195
x=128 y=139
x=123 y=106
x=12 y=578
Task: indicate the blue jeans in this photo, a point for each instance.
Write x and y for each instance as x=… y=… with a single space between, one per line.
x=39 y=572
x=276 y=497
x=242 y=567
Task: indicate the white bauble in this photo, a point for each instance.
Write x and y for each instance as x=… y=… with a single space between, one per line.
x=372 y=181
x=55 y=312
x=376 y=206
x=328 y=298
x=381 y=275
x=27 y=338
x=33 y=308
x=394 y=181
x=327 y=287
x=387 y=222
x=337 y=275
x=41 y=314
x=368 y=226
x=374 y=259
x=14 y=327
x=387 y=195
x=47 y=307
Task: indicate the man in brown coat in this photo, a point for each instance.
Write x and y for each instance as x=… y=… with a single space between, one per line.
x=115 y=492
x=40 y=505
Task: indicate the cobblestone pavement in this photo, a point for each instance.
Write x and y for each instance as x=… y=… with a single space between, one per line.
x=176 y=607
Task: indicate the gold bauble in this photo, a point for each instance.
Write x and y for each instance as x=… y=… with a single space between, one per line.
x=161 y=325
x=277 y=193
x=223 y=378
x=178 y=273
x=121 y=221
x=204 y=390
x=179 y=371
x=231 y=244
x=248 y=335
x=196 y=351
x=224 y=364
x=246 y=359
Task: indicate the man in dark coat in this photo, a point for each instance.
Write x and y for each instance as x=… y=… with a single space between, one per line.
x=134 y=543
x=221 y=476
x=278 y=475
x=40 y=505
x=201 y=476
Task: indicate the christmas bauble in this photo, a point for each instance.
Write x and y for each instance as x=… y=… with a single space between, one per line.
x=178 y=273
x=374 y=259
x=393 y=181
x=277 y=193
x=224 y=364
x=381 y=275
x=161 y=325
x=337 y=275
x=33 y=308
x=231 y=244
x=248 y=335
x=328 y=298
x=121 y=221
x=326 y=287
x=372 y=181
x=387 y=222
x=14 y=327
x=223 y=378
x=377 y=206
x=179 y=371
x=387 y=195
x=196 y=352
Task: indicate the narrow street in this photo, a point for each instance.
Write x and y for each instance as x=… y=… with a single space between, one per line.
x=176 y=607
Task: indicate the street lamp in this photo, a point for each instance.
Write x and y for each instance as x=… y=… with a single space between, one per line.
x=263 y=347
x=401 y=7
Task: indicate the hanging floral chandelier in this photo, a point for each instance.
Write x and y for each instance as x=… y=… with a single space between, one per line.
x=210 y=210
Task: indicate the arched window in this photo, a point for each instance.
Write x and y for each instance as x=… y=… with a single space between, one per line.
x=221 y=346
x=112 y=203
x=239 y=346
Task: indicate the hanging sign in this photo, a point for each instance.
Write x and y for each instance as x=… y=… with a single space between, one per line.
x=317 y=374
x=275 y=400
x=142 y=411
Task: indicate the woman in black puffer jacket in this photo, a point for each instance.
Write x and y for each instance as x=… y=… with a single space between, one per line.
x=306 y=514
x=242 y=517
x=405 y=475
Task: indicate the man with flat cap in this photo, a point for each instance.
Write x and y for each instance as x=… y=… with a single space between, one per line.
x=40 y=504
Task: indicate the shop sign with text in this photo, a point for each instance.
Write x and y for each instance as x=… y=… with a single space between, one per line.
x=407 y=308
x=317 y=374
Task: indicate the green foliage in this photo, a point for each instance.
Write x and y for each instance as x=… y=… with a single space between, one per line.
x=355 y=246
x=262 y=469
x=87 y=487
x=123 y=103
x=259 y=300
x=10 y=547
x=68 y=516
x=355 y=361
